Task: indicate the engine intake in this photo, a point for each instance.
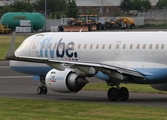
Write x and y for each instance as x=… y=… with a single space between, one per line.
x=64 y=81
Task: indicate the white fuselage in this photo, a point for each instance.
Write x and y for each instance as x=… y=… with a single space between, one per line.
x=143 y=51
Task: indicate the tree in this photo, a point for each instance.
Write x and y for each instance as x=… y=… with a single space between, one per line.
x=125 y=5
x=136 y=5
x=162 y=4
x=146 y=5
x=116 y=13
x=52 y=6
x=72 y=9
x=17 y=6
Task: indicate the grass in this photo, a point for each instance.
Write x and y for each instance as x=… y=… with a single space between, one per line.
x=24 y=109
x=5 y=42
x=155 y=24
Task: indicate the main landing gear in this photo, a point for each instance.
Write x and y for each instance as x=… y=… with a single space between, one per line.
x=42 y=89
x=117 y=93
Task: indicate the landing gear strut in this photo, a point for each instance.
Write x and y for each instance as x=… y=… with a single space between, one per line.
x=117 y=93
x=42 y=89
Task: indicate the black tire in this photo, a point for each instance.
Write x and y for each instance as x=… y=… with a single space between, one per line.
x=111 y=25
x=132 y=26
x=113 y=94
x=99 y=26
x=44 y=90
x=39 y=90
x=90 y=27
x=123 y=94
x=103 y=27
x=61 y=29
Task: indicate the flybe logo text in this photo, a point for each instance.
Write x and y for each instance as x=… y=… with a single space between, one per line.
x=58 y=49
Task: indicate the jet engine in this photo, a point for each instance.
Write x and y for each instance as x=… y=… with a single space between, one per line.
x=162 y=87
x=64 y=81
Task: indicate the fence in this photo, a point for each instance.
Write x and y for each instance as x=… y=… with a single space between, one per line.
x=154 y=14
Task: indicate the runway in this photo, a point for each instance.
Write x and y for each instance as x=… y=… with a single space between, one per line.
x=16 y=85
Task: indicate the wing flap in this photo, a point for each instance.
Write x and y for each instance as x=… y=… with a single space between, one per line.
x=121 y=70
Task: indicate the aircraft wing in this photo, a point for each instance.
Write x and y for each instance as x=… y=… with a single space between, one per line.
x=121 y=70
x=60 y=64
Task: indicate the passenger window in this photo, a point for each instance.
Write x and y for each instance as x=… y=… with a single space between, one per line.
x=91 y=46
x=162 y=47
x=85 y=46
x=144 y=46
x=49 y=46
x=151 y=46
x=103 y=46
x=138 y=46
x=124 y=46
x=157 y=46
x=55 y=46
x=131 y=46
x=110 y=46
x=69 y=46
x=43 y=46
x=79 y=46
x=97 y=46
x=61 y=47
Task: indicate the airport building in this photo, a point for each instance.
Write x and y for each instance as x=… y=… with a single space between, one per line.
x=100 y=7
x=85 y=3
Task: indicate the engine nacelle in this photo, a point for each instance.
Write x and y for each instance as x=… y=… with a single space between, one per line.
x=64 y=81
x=162 y=87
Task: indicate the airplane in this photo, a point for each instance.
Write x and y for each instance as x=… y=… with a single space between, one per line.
x=62 y=61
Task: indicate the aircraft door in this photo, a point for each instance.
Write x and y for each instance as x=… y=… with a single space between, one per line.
x=33 y=49
x=117 y=47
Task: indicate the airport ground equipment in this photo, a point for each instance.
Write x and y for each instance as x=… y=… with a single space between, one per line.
x=82 y=22
x=4 y=29
x=86 y=23
x=122 y=22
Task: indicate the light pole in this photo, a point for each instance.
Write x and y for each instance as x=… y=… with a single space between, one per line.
x=102 y=8
x=45 y=15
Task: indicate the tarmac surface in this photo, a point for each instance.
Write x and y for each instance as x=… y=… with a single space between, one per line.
x=16 y=85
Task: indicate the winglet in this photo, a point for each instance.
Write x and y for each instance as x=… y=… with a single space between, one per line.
x=10 y=54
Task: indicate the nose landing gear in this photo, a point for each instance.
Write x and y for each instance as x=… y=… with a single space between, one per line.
x=42 y=89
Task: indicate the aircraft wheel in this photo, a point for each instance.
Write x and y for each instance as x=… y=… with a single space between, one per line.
x=39 y=90
x=44 y=90
x=90 y=27
x=123 y=94
x=113 y=94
